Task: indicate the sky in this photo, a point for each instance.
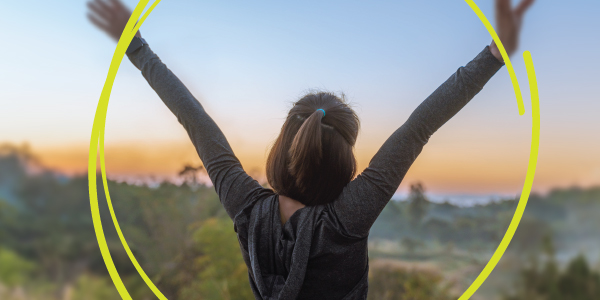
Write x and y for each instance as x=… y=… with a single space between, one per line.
x=247 y=62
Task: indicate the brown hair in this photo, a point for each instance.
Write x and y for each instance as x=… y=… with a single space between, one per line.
x=312 y=159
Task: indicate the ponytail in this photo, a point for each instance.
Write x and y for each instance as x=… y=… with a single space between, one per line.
x=306 y=151
x=312 y=159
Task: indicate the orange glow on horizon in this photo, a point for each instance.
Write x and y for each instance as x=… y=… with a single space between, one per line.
x=440 y=167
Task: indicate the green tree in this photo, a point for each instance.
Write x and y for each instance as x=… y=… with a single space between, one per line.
x=91 y=287
x=576 y=282
x=222 y=272
x=14 y=269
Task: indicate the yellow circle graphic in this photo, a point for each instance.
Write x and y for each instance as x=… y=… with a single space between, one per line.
x=97 y=144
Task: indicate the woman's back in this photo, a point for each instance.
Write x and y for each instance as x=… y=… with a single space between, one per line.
x=308 y=257
x=336 y=262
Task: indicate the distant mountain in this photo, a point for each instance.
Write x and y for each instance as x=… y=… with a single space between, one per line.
x=462 y=200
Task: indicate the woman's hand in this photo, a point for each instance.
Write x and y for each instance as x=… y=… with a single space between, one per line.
x=508 y=23
x=111 y=17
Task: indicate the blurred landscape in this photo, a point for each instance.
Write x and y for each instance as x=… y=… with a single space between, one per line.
x=186 y=244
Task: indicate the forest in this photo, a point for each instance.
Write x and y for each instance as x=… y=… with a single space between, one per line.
x=185 y=242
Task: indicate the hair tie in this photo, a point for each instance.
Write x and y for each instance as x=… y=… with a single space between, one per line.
x=322 y=111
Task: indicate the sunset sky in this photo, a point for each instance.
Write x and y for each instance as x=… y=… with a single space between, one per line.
x=247 y=62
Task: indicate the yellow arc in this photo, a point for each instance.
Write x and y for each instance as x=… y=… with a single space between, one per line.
x=97 y=143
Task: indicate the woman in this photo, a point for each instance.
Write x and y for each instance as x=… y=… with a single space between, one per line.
x=307 y=237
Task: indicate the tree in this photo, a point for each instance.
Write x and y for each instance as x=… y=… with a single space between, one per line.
x=221 y=270
x=190 y=174
x=577 y=282
x=418 y=204
x=14 y=270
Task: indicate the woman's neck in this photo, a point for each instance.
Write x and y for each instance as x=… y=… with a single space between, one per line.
x=287 y=207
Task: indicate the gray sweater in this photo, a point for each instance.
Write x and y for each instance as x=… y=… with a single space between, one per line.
x=321 y=251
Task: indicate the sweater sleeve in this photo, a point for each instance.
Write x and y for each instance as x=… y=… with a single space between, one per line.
x=233 y=185
x=363 y=199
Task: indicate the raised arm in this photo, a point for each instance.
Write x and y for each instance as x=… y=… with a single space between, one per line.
x=233 y=185
x=364 y=198
x=231 y=182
